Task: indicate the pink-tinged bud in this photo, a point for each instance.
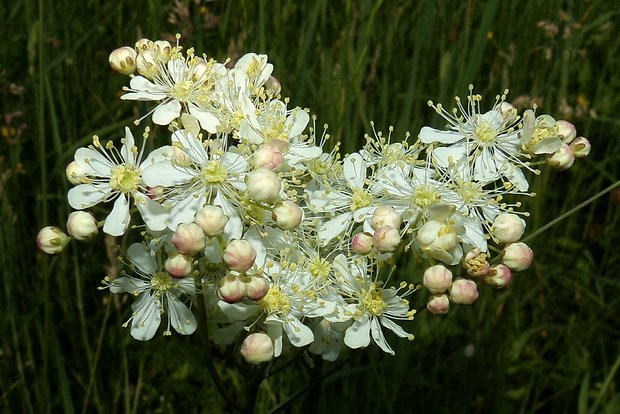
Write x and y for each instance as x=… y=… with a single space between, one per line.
x=566 y=131
x=498 y=277
x=581 y=147
x=438 y=304
x=385 y=216
x=256 y=287
x=464 y=292
x=437 y=279
x=82 y=226
x=273 y=85
x=257 y=348
x=178 y=265
x=263 y=186
x=239 y=255
x=211 y=219
x=386 y=239
x=508 y=227
x=361 y=243
x=269 y=157
x=188 y=238
x=52 y=240
x=517 y=256
x=562 y=159
x=287 y=215
x=475 y=263
x=75 y=173
x=123 y=60
x=231 y=289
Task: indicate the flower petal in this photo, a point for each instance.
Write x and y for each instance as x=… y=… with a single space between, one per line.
x=358 y=334
x=118 y=220
x=182 y=319
x=87 y=195
x=166 y=112
x=146 y=318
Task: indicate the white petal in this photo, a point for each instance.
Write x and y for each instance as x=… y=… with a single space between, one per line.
x=167 y=112
x=298 y=333
x=394 y=327
x=128 y=284
x=454 y=152
x=87 y=195
x=358 y=334
x=128 y=156
x=208 y=121
x=143 y=258
x=354 y=169
x=93 y=162
x=255 y=239
x=165 y=174
x=274 y=330
x=429 y=135
x=182 y=319
x=185 y=210
x=297 y=121
x=377 y=336
x=146 y=318
x=153 y=213
x=235 y=163
x=118 y=220
x=334 y=227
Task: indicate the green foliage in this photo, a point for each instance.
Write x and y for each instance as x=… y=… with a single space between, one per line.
x=549 y=344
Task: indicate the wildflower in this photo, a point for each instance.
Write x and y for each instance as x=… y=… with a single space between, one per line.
x=52 y=240
x=82 y=225
x=257 y=348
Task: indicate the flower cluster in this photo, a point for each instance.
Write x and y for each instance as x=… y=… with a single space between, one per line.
x=246 y=214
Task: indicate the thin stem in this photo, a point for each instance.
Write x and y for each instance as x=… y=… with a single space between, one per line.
x=203 y=326
x=571 y=211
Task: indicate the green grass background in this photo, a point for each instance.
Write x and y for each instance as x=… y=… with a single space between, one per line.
x=549 y=344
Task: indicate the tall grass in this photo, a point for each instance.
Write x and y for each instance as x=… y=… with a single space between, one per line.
x=549 y=344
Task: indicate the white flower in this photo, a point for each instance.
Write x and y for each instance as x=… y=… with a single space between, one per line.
x=109 y=175
x=158 y=294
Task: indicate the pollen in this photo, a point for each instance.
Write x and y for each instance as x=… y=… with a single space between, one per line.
x=214 y=173
x=125 y=178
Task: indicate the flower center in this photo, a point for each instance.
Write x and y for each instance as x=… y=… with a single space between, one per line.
x=162 y=282
x=485 y=133
x=181 y=90
x=319 y=268
x=214 y=173
x=425 y=196
x=361 y=198
x=470 y=192
x=275 y=301
x=373 y=301
x=125 y=178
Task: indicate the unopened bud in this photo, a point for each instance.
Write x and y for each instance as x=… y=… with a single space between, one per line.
x=163 y=48
x=385 y=216
x=82 y=226
x=437 y=279
x=146 y=64
x=438 y=304
x=256 y=287
x=361 y=243
x=507 y=110
x=581 y=147
x=464 y=292
x=566 y=131
x=75 y=173
x=231 y=289
x=52 y=240
x=123 y=60
x=273 y=85
x=386 y=239
x=263 y=186
x=143 y=44
x=562 y=159
x=211 y=220
x=499 y=276
x=508 y=227
x=475 y=263
x=239 y=255
x=257 y=348
x=178 y=265
x=287 y=215
x=188 y=238
x=269 y=157
x=517 y=256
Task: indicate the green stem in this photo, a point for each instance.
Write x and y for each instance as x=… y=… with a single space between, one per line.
x=571 y=211
x=203 y=326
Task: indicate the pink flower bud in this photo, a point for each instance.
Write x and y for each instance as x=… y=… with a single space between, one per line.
x=123 y=60
x=256 y=287
x=75 y=173
x=287 y=215
x=178 y=265
x=499 y=276
x=263 y=186
x=385 y=216
x=52 y=240
x=562 y=159
x=508 y=227
x=475 y=263
x=438 y=304
x=386 y=239
x=82 y=226
x=567 y=131
x=437 y=279
x=257 y=348
x=239 y=255
x=464 y=291
x=269 y=157
x=517 y=256
x=362 y=243
x=188 y=238
x=211 y=220
x=581 y=147
x=231 y=289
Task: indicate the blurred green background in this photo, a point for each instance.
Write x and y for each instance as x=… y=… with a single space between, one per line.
x=549 y=344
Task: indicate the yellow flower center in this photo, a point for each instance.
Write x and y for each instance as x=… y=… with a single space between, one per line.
x=275 y=301
x=125 y=178
x=162 y=282
x=181 y=90
x=319 y=268
x=373 y=300
x=361 y=198
x=214 y=173
x=425 y=196
x=470 y=192
x=485 y=133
